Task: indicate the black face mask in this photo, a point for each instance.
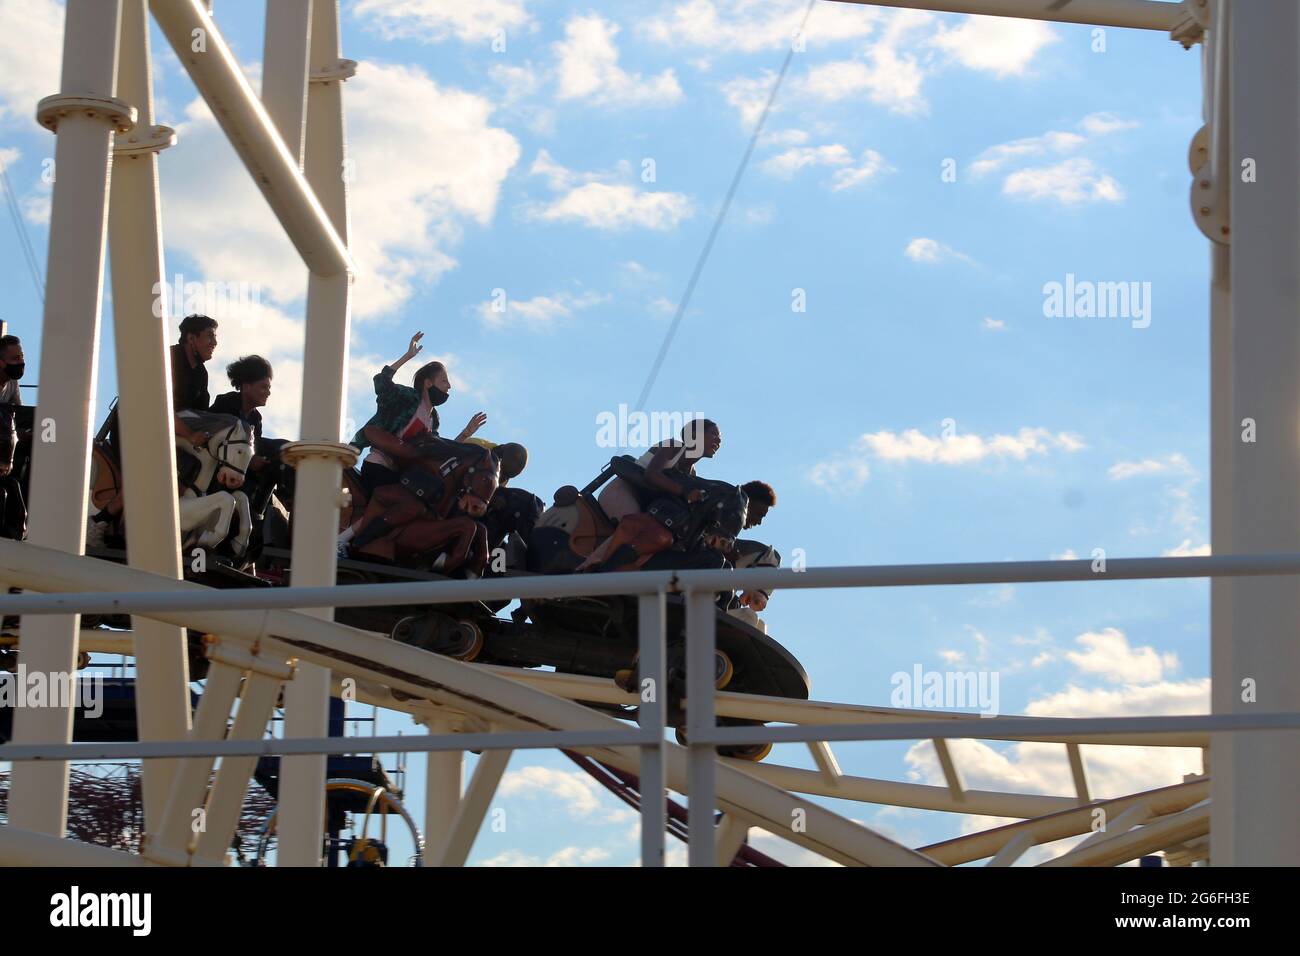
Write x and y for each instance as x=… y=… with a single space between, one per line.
x=15 y=371
x=436 y=396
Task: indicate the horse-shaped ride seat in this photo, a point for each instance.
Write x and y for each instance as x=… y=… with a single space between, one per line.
x=211 y=499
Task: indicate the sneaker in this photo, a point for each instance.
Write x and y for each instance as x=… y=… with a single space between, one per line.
x=343 y=551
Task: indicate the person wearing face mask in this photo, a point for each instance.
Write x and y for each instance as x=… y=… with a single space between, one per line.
x=12 y=367
x=404 y=413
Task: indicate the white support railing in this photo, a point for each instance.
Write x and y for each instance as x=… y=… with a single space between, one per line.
x=703 y=734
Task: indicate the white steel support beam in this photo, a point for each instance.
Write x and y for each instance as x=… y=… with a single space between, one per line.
x=146 y=432
x=207 y=58
x=318 y=456
x=226 y=799
x=1079 y=772
x=1012 y=850
x=1141 y=14
x=653 y=684
x=701 y=640
x=1162 y=833
x=731 y=835
x=1225 y=435
x=170 y=841
x=284 y=69
x=1261 y=665
x=1066 y=823
x=951 y=775
x=454 y=851
x=84 y=115
x=442 y=785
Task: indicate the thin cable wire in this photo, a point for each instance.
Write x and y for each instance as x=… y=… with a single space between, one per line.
x=21 y=228
x=717 y=223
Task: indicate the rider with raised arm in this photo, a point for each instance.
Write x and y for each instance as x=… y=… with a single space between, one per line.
x=403 y=415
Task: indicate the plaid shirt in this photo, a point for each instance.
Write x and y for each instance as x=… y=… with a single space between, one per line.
x=395 y=404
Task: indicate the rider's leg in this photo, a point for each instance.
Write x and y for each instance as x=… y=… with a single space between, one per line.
x=397 y=507
x=244 y=510
x=635 y=537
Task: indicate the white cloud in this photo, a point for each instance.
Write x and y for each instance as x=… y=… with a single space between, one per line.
x=869 y=166
x=1074 y=181
x=516 y=82
x=568 y=856
x=31 y=38
x=1066 y=555
x=1099 y=124
x=432 y=21
x=997 y=45
x=539 y=312
x=1188 y=550
x=885 y=76
x=1107 y=653
x=588 y=69
x=786 y=164
x=752 y=25
x=1176 y=463
x=850 y=471
x=993 y=325
x=911 y=445
x=408 y=207
x=932 y=251
x=748 y=95
x=997 y=156
x=783 y=137
x=841 y=474
x=582 y=796
x=1161 y=698
x=593 y=201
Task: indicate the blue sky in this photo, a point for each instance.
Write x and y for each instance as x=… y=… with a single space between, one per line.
x=523 y=170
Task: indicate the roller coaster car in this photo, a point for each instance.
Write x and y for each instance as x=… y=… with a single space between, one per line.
x=590 y=636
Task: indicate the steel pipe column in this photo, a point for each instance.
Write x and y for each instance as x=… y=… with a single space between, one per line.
x=319 y=456
x=1262 y=660
x=141 y=320
x=84 y=116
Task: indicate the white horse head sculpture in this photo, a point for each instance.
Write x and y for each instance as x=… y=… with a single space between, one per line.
x=227 y=455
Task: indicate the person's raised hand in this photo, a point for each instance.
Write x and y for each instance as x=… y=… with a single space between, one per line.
x=414 y=348
x=475 y=423
x=199 y=439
